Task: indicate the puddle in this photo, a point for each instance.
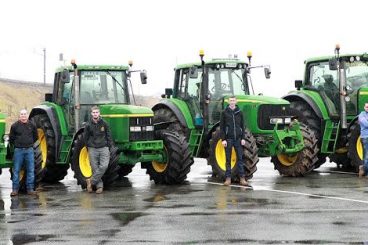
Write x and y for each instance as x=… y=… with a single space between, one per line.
x=20 y=239
x=125 y=218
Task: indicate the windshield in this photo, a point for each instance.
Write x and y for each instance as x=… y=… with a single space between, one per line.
x=326 y=82
x=103 y=87
x=223 y=82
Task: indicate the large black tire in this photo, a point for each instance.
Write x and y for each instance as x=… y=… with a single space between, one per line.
x=52 y=172
x=355 y=147
x=82 y=168
x=302 y=162
x=171 y=122
x=38 y=171
x=124 y=170
x=307 y=116
x=217 y=156
x=178 y=160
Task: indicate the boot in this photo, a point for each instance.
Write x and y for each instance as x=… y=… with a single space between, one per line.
x=361 y=172
x=89 y=185
x=227 y=181
x=243 y=182
x=99 y=190
x=14 y=193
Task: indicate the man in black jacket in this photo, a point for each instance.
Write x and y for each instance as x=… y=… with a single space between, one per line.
x=232 y=135
x=22 y=136
x=98 y=140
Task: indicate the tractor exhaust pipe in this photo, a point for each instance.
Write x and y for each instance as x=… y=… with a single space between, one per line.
x=76 y=96
x=342 y=84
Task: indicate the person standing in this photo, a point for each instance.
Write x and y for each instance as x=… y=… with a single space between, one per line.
x=98 y=140
x=363 y=121
x=232 y=135
x=23 y=134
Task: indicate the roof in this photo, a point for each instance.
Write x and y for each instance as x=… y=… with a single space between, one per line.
x=95 y=67
x=326 y=58
x=213 y=61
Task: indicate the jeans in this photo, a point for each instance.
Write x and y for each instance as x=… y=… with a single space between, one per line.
x=239 y=156
x=365 y=154
x=99 y=159
x=22 y=155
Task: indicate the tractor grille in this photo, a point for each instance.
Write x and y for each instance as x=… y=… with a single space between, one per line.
x=141 y=122
x=265 y=113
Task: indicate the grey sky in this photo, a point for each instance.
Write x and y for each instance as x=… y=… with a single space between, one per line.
x=159 y=34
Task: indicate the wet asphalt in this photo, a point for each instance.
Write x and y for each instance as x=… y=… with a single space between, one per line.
x=327 y=206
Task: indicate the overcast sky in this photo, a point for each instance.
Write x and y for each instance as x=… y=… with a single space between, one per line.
x=159 y=34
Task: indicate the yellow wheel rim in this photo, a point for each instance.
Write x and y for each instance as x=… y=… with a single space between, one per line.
x=221 y=156
x=359 y=148
x=160 y=167
x=287 y=160
x=43 y=145
x=84 y=164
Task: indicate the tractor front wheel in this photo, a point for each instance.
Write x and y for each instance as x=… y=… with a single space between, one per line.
x=217 y=156
x=177 y=160
x=53 y=172
x=82 y=168
x=355 y=147
x=302 y=162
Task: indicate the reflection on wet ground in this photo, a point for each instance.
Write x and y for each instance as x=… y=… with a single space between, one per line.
x=325 y=207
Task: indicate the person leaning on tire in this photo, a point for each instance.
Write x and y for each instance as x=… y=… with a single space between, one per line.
x=363 y=121
x=98 y=140
x=232 y=135
x=23 y=134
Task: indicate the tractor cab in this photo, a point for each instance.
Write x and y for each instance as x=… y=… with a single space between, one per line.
x=324 y=78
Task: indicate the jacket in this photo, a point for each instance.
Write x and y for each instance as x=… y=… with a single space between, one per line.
x=97 y=135
x=363 y=121
x=232 y=124
x=23 y=135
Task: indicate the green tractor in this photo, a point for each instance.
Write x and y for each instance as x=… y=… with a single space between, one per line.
x=60 y=122
x=6 y=157
x=194 y=104
x=329 y=100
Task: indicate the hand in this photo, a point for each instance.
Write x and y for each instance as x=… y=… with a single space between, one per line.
x=242 y=142
x=224 y=143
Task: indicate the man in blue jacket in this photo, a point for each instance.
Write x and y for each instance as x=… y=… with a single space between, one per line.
x=232 y=135
x=363 y=121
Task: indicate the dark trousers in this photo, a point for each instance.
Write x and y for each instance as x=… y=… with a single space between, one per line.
x=239 y=156
x=22 y=155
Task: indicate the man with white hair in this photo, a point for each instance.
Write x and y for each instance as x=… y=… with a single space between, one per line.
x=22 y=136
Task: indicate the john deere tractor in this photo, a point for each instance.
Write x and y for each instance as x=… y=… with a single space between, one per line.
x=60 y=121
x=329 y=100
x=6 y=157
x=194 y=104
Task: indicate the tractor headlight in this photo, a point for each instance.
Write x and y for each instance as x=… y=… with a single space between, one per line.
x=287 y=120
x=149 y=128
x=135 y=129
x=276 y=120
x=280 y=120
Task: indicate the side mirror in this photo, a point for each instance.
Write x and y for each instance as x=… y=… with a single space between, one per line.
x=267 y=71
x=48 y=97
x=349 y=89
x=168 y=93
x=143 y=77
x=332 y=63
x=65 y=76
x=298 y=84
x=193 y=72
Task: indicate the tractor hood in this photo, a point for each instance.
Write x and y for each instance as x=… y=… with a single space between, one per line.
x=258 y=99
x=119 y=110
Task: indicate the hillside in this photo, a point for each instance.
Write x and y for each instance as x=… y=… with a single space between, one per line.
x=16 y=95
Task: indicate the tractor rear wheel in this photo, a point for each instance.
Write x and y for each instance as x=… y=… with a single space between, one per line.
x=217 y=156
x=125 y=169
x=302 y=162
x=307 y=116
x=177 y=160
x=82 y=168
x=38 y=171
x=355 y=147
x=52 y=172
